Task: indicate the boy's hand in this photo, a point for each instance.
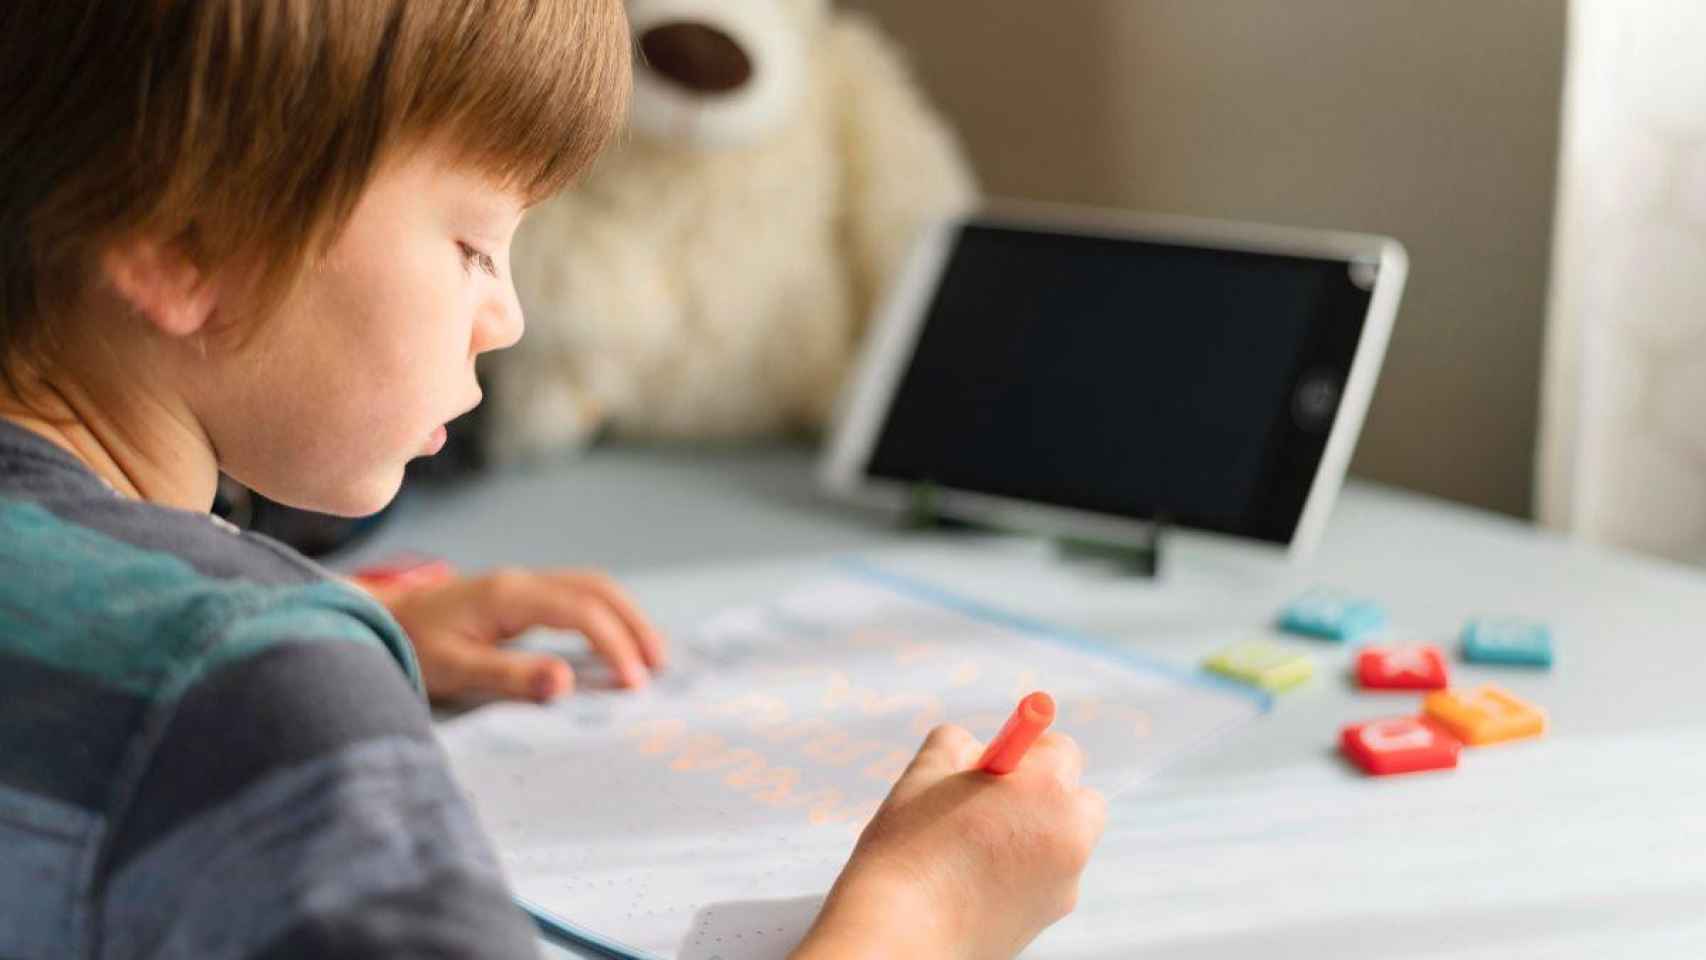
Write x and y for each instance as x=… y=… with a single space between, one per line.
x=458 y=627
x=960 y=863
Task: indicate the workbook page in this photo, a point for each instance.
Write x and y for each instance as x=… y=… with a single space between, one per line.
x=706 y=816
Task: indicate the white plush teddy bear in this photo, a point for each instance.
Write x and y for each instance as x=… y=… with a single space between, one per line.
x=711 y=277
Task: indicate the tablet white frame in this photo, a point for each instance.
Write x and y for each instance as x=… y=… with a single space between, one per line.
x=865 y=398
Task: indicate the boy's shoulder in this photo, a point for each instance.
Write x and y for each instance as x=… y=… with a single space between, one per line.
x=196 y=725
x=143 y=598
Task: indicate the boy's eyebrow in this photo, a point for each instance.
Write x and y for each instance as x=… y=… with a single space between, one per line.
x=477 y=194
x=491 y=208
x=511 y=209
x=507 y=206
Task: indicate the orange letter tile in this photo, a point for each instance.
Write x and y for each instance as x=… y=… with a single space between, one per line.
x=1485 y=715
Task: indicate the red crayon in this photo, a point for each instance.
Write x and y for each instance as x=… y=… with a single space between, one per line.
x=1029 y=720
x=404 y=571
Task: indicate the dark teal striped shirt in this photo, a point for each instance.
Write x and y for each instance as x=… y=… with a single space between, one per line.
x=209 y=748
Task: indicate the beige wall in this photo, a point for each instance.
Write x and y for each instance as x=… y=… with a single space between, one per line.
x=1431 y=120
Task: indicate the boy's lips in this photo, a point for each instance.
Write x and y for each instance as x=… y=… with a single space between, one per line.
x=479 y=395
x=440 y=435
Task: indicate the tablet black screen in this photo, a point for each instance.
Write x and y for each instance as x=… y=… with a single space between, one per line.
x=1124 y=377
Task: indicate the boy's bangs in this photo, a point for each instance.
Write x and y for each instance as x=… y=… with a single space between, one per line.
x=528 y=91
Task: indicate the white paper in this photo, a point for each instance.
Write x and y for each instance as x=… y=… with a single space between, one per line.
x=706 y=816
x=1555 y=848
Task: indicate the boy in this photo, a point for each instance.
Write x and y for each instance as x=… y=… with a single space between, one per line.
x=270 y=237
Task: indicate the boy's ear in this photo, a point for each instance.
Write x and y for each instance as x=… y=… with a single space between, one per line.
x=163 y=285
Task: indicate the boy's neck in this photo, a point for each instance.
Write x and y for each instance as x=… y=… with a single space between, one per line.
x=141 y=447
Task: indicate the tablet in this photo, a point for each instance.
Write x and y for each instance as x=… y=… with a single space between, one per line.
x=1087 y=373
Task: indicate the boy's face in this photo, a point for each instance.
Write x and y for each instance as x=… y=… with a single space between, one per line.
x=374 y=352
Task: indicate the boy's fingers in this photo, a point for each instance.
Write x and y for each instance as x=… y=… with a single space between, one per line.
x=653 y=650
x=515 y=600
x=519 y=600
x=948 y=749
x=1095 y=809
x=611 y=638
x=1059 y=754
x=507 y=673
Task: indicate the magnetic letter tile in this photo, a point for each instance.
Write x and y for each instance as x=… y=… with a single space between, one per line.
x=1399 y=745
x=1507 y=640
x=1402 y=668
x=1333 y=616
x=1484 y=715
x=1266 y=665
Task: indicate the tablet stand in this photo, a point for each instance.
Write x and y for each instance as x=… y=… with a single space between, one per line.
x=922 y=512
x=1141 y=558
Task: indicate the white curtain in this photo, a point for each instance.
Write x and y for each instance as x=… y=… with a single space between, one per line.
x=1623 y=433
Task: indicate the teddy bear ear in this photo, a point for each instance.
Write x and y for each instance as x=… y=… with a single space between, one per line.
x=717 y=73
x=696 y=56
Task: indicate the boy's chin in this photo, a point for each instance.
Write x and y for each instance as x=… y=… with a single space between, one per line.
x=371 y=498
x=360 y=496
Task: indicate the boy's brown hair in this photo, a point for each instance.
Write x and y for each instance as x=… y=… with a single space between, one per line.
x=244 y=131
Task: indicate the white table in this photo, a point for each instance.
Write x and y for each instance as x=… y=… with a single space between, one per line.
x=1591 y=842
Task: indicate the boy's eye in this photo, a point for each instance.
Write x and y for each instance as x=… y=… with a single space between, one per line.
x=472 y=257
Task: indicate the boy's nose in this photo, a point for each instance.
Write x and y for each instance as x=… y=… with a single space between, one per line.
x=499 y=325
